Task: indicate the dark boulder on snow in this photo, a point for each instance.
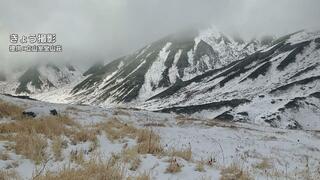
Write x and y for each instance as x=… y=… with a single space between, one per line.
x=53 y=112
x=29 y=114
x=226 y=116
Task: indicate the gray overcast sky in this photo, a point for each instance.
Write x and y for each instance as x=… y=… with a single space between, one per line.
x=105 y=29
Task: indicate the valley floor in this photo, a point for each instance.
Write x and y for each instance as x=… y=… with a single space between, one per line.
x=86 y=142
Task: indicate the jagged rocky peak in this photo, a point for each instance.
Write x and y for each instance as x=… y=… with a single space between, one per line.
x=156 y=67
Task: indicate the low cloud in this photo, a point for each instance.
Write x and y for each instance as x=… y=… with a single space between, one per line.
x=106 y=29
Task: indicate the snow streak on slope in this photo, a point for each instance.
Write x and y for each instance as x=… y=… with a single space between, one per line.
x=153 y=75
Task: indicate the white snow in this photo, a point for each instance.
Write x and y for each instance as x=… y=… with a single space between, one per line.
x=154 y=74
x=288 y=151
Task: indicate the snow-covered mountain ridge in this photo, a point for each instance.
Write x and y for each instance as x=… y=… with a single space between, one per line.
x=40 y=78
x=213 y=76
x=278 y=86
x=155 y=68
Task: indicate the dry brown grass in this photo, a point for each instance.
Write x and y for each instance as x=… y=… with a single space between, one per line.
x=174 y=166
x=4 y=156
x=9 y=175
x=35 y=131
x=10 y=110
x=57 y=146
x=264 y=164
x=185 y=153
x=234 y=172
x=77 y=156
x=31 y=145
x=116 y=130
x=94 y=169
x=49 y=126
x=131 y=157
x=141 y=176
x=200 y=166
x=84 y=135
x=94 y=145
x=30 y=135
x=148 y=142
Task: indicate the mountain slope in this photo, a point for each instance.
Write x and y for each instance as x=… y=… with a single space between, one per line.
x=40 y=78
x=277 y=86
x=155 y=68
x=210 y=75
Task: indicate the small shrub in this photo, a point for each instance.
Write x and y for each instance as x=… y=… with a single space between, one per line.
x=134 y=164
x=174 y=166
x=77 y=157
x=94 y=145
x=200 y=167
x=148 y=142
x=131 y=156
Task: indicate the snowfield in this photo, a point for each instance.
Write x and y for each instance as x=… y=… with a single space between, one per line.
x=216 y=149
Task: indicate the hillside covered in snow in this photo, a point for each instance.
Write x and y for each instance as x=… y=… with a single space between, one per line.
x=35 y=80
x=158 y=66
x=211 y=75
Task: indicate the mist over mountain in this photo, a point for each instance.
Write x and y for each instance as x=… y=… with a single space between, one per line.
x=105 y=30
